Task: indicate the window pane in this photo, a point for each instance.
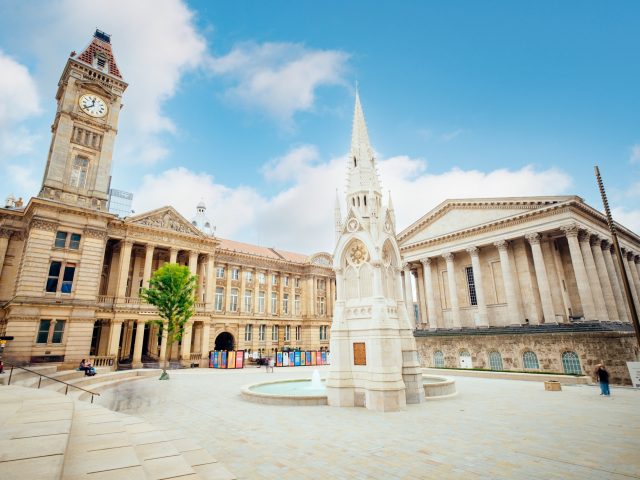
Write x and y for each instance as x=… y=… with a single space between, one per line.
x=58 y=330
x=43 y=331
x=61 y=239
x=54 y=274
x=67 y=279
x=74 y=244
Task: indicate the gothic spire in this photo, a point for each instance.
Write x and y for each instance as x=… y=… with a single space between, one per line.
x=363 y=176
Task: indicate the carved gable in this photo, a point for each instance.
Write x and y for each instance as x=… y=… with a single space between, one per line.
x=165 y=218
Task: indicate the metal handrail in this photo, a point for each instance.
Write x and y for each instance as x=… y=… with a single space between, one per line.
x=50 y=378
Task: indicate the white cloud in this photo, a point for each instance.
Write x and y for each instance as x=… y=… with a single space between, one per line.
x=448 y=136
x=635 y=154
x=627 y=217
x=19 y=100
x=279 y=78
x=155 y=43
x=300 y=216
x=24 y=178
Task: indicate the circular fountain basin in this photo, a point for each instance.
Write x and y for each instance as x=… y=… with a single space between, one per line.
x=286 y=392
x=438 y=387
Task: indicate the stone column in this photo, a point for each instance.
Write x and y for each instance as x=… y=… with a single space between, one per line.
x=267 y=301
x=329 y=296
x=256 y=291
x=148 y=263
x=621 y=304
x=433 y=319
x=173 y=255
x=420 y=293
x=408 y=294
x=542 y=278
x=509 y=283
x=114 y=338
x=4 y=244
x=193 y=262
x=483 y=316
x=605 y=281
x=123 y=268
x=453 y=290
x=281 y=294
x=205 y=347
x=137 y=346
x=637 y=262
x=292 y=297
x=634 y=281
x=584 y=290
x=592 y=275
x=227 y=290
x=185 y=346
x=243 y=287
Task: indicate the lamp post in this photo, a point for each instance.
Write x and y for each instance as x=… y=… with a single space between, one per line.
x=616 y=249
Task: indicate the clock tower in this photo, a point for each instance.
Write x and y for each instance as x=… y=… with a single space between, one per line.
x=89 y=99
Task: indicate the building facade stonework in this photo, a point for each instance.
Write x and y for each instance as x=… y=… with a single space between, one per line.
x=71 y=272
x=535 y=273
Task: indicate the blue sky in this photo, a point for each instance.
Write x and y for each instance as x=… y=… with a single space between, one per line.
x=248 y=105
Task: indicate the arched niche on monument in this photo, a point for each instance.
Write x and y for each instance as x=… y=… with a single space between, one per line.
x=358 y=273
x=390 y=263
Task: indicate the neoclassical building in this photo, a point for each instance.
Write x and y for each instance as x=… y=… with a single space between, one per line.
x=520 y=283
x=71 y=272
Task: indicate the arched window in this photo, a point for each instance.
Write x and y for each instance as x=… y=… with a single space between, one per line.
x=571 y=363
x=79 y=172
x=495 y=361
x=353 y=201
x=438 y=359
x=365 y=201
x=530 y=361
x=465 y=359
x=358 y=201
x=355 y=162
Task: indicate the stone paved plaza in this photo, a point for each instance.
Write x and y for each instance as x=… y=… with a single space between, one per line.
x=493 y=429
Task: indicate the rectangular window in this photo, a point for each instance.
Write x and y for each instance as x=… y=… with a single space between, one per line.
x=67 y=278
x=274 y=333
x=321 y=284
x=235 y=274
x=261 y=278
x=297 y=282
x=248 y=276
x=248 y=333
x=219 y=298
x=262 y=333
x=286 y=281
x=298 y=333
x=54 y=276
x=58 y=330
x=61 y=239
x=79 y=172
x=74 y=243
x=274 y=303
x=220 y=272
x=274 y=279
x=323 y=332
x=287 y=333
x=471 y=286
x=285 y=304
x=260 y=302
x=43 y=331
x=297 y=305
x=234 y=300
x=321 y=303
x=248 y=296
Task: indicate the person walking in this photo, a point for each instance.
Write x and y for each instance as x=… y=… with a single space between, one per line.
x=603 y=379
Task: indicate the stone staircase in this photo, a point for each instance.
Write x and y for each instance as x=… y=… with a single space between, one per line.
x=48 y=435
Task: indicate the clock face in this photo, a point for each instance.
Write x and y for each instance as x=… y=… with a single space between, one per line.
x=93 y=105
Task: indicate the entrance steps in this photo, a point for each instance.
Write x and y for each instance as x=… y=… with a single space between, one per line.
x=48 y=435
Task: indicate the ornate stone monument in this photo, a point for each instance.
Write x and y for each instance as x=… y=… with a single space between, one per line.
x=374 y=360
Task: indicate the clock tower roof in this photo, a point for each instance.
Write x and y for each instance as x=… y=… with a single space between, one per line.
x=99 y=55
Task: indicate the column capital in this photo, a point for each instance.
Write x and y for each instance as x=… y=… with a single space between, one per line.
x=448 y=256
x=406 y=266
x=570 y=230
x=149 y=247
x=605 y=244
x=425 y=262
x=584 y=235
x=473 y=251
x=636 y=259
x=5 y=233
x=594 y=239
x=414 y=272
x=125 y=242
x=533 y=238
x=502 y=245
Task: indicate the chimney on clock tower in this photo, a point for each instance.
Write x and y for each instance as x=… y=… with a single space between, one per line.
x=84 y=129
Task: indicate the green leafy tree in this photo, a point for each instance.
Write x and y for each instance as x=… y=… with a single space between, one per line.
x=172 y=291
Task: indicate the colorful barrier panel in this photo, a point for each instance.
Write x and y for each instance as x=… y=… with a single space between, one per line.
x=301 y=359
x=225 y=359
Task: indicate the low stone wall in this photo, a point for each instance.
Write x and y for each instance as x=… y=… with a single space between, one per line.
x=613 y=349
x=529 y=377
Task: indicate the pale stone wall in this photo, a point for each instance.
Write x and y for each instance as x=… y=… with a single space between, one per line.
x=611 y=348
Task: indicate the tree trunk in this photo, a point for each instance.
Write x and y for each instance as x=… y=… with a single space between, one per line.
x=167 y=356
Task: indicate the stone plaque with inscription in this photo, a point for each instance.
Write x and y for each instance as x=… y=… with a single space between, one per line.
x=359 y=354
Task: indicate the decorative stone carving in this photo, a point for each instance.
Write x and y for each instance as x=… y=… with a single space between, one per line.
x=502 y=244
x=358 y=254
x=353 y=225
x=473 y=251
x=166 y=220
x=425 y=262
x=95 y=233
x=5 y=233
x=533 y=238
x=448 y=256
x=570 y=230
x=44 y=225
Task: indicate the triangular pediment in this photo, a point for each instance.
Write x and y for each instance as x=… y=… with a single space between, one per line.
x=458 y=215
x=352 y=223
x=165 y=218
